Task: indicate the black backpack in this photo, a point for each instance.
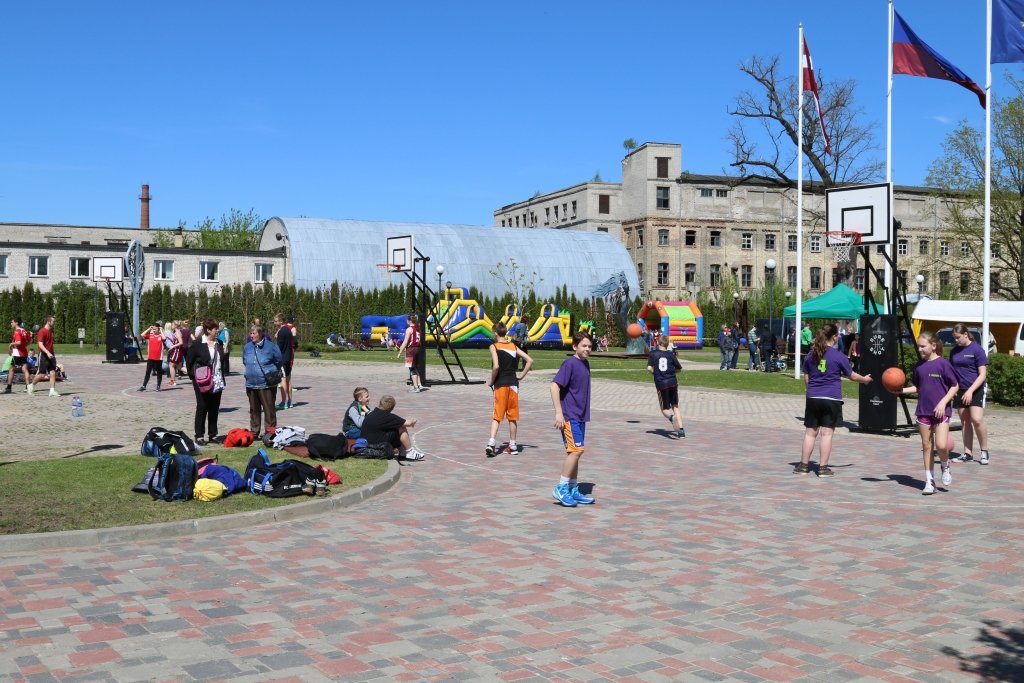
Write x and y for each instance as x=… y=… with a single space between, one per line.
x=327 y=446
x=160 y=440
x=173 y=478
x=283 y=479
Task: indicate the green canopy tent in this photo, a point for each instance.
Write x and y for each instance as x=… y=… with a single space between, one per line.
x=839 y=303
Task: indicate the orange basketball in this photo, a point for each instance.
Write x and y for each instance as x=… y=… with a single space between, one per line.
x=894 y=379
x=634 y=330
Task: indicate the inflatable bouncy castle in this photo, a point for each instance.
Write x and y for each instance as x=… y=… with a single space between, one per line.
x=681 y=321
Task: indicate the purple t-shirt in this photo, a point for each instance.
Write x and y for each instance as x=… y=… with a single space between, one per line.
x=965 y=361
x=824 y=375
x=573 y=380
x=933 y=378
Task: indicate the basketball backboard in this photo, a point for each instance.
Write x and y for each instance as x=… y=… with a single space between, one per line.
x=863 y=209
x=400 y=253
x=107 y=269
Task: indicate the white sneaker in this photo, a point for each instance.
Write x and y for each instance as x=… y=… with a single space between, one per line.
x=929 y=488
x=413 y=454
x=31 y=389
x=54 y=392
x=947 y=476
x=984 y=458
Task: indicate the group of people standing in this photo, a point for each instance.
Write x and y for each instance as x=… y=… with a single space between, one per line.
x=21 y=356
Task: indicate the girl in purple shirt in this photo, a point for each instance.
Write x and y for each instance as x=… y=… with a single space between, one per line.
x=935 y=384
x=824 y=368
x=970 y=363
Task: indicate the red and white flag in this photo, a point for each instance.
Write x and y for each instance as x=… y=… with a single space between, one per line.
x=809 y=83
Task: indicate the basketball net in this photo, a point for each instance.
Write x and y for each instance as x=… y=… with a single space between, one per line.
x=389 y=269
x=841 y=241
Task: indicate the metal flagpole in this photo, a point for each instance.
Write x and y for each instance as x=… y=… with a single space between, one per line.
x=799 y=204
x=987 y=270
x=888 y=160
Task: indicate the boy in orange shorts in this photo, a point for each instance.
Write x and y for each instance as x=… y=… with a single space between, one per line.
x=504 y=381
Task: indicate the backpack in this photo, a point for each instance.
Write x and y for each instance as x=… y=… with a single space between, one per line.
x=327 y=446
x=375 y=451
x=281 y=480
x=289 y=436
x=174 y=478
x=160 y=440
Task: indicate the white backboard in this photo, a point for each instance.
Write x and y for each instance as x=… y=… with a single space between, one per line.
x=400 y=253
x=863 y=209
x=107 y=268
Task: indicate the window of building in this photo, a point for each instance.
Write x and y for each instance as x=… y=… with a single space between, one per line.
x=943 y=280
x=691 y=238
x=836 y=275
x=604 y=203
x=902 y=247
x=790 y=242
x=721 y=193
x=690 y=274
x=574 y=209
x=662 y=237
x=965 y=282
x=965 y=249
x=264 y=273
x=602 y=229
x=662 y=274
x=716 y=238
x=746 y=240
x=662 y=164
x=556 y=213
x=503 y=223
x=880 y=249
x=858 y=279
x=746 y=276
x=815 y=243
x=565 y=212
x=524 y=219
x=163 y=270
x=209 y=271
x=769 y=242
x=3 y=265
x=639 y=237
x=993 y=279
x=922 y=247
x=547 y=215
x=661 y=200
x=791 y=277
x=706 y=192
x=902 y=278
x=640 y=274
x=815 y=278
x=944 y=248
x=716 y=275
x=39 y=266
x=517 y=221
x=79 y=266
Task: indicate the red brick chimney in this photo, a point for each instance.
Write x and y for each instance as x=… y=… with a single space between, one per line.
x=144 y=198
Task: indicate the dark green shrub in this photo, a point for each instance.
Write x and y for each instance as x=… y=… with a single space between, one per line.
x=1006 y=379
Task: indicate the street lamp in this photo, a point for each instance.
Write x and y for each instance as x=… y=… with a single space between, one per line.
x=770 y=279
x=920 y=286
x=736 y=306
x=440 y=272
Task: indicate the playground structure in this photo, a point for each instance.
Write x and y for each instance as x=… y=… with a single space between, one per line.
x=680 y=321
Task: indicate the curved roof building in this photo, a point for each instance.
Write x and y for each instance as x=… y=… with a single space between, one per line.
x=320 y=251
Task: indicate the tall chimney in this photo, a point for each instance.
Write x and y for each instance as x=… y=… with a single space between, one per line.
x=144 y=217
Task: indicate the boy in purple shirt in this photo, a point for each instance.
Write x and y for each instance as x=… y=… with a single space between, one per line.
x=570 y=394
x=970 y=363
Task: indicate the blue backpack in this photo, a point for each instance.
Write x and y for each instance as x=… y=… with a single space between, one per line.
x=174 y=477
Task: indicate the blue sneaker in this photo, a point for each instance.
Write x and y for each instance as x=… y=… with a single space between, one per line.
x=281 y=406
x=682 y=433
x=563 y=495
x=579 y=497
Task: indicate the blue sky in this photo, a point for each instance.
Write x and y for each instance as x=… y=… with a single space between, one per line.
x=430 y=112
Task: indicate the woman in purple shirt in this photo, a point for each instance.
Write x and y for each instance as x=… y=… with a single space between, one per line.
x=824 y=368
x=935 y=384
x=970 y=363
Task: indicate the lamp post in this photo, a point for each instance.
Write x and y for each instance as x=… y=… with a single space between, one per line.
x=920 y=286
x=770 y=279
x=736 y=306
x=786 y=343
x=440 y=272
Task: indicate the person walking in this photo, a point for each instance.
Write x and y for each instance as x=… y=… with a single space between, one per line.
x=664 y=365
x=19 y=353
x=823 y=370
x=570 y=395
x=752 y=362
x=504 y=382
x=206 y=352
x=970 y=363
x=262 y=360
x=411 y=346
x=47 y=360
x=154 y=339
x=174 y=351
x=287 y=348
x=736 y=334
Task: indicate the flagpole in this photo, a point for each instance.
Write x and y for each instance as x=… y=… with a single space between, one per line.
x=799 y=204
x=888 y=160
x=987 y=270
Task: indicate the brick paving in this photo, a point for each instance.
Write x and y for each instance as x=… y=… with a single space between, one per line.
x=704 y=558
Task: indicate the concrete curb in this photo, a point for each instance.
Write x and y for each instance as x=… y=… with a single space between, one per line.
x=83 y=538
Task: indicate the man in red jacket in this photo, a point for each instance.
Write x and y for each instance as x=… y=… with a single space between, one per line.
x=19 y=353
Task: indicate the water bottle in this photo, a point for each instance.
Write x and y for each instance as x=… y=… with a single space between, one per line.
x=77 y=406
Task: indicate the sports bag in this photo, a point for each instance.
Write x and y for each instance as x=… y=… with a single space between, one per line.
x=289 y=436
x=327 y=446
x=203 y=377
x=375 y=451
x=174 y=478
x=160 y=440
x=282 y=480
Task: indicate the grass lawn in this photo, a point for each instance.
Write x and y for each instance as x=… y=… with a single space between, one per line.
x=95 y=492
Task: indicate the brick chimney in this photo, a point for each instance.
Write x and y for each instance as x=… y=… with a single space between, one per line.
x=144 y=217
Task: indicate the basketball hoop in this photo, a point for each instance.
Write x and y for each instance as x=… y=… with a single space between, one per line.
x=389 y=269
x=841 y=241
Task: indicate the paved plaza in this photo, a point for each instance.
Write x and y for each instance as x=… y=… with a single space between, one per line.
x=704 y=558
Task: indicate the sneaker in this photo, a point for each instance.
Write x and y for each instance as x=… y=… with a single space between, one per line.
x=947 y=475
x=31 y=389
x=490 y=450
x=54 y=392
x=681 y=433
x=984 y=458
x=929 y=488
x=579 y=497
x=563 y=495
x=290 y=405
x=281 y=406
x=8 y=389
x=321 y=488
x=825 y=471
x=801 y=468
x=962 y=457
x=158 y=387
x=309 y=488
x=413 y=454
x=142 y=388
x=200 y=441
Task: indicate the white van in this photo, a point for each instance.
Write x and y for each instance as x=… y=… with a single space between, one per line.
x=1006 y=320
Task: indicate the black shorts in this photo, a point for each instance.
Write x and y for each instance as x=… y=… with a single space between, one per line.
x=668 y=397
x=18 y=360
x=822 y=412
x=47 y=364
x=977 y=399
x=286 y=369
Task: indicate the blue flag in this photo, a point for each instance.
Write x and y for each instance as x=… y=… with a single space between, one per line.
x=1007 y=31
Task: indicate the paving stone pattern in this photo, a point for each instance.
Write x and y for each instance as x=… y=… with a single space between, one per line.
x=704 y=558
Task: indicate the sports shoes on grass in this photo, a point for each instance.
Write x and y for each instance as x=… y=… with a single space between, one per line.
x=947 y=476
x=801 y=468
x=929 y=488
x=825 y=471
x=579 y=497
x=563 y=495
x=984 y=458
